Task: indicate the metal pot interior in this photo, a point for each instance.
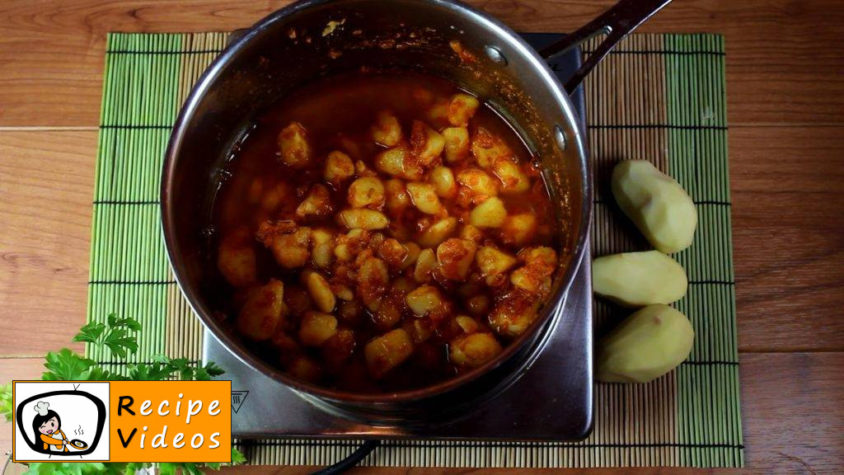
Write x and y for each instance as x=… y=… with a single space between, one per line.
x=309 y=40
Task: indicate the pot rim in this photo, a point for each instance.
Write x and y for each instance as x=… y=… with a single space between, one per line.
x=575 y=138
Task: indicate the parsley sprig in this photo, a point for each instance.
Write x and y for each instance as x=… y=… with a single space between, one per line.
x=120 y=336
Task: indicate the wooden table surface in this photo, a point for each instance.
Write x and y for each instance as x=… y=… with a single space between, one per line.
x=785 y=88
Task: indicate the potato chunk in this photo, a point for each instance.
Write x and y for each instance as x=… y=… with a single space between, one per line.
x=261 y=314
x=438 y=112
x=398 y=162
x=427 y=301
x=425 y=264
x=489 y=214
x=387 y=130
x=397 y=198
x=236 y=261
x=487 y=148
x=438 y=232
x=319 y=290
x=287 y=241
x=645 y=346
x=373 y=280
x=471 y=233
x=322 y=248
x=656 y=203
x=350 y=244
x=454 y=257
x=467 y=324
x=393 y=252
x=316 y=327
x=426 y=143
x=535 y=276
x=316 y=203
x=474 y=350
x=443 y=180
x=387 y=351
x=540 y=255
x=494 y=264
x=362 y=218
x=513 y=313
x=476 y=185
x=519 y=229
x=424 y=197
x=338 y=168
x=456 y=144
x=635 y=279
x=461 y=109
x=366 y=192
x=513 y=179
x=293 y=146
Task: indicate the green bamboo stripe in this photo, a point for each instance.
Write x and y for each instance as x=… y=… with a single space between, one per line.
x=707 y=396
x=661 y=98
x=129 y=268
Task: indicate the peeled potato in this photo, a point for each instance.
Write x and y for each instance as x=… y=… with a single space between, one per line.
x=456 y=143
x=262 y=312
x=493 y=264
x=645 y=346
x=397 y=197
x=513 y=179
x=426 y=262
x=635 y=279
x=316 y=328
x=293 y=145
x=387 y=130
x=474 y=350
x=362 y=218
x=489 y=214
x=461 y=108
x=424 y=197
x=443 y=181
x=519 y=229
x=322 y=250
x=366 y=192
x=656 y=203
x=438 y=232
x=319 y=290
x=428 y=301
x=387 y=351
x=427 y=144
x=338 y=167
x=396 y=161
x=316 y=203
x=454 y=257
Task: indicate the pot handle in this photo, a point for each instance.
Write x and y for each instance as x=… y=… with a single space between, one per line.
x=616 y=23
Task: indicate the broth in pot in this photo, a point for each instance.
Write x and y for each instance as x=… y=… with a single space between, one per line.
x=381 y=233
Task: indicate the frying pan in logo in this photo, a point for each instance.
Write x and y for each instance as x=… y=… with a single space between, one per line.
x=78 y=444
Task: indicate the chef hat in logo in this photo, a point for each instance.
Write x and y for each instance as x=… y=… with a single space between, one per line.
x=41 y=407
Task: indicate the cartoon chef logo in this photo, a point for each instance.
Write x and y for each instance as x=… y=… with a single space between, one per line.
x=56 y=421
x=49 y=424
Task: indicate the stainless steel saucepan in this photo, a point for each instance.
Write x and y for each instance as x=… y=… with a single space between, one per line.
x=317 y=38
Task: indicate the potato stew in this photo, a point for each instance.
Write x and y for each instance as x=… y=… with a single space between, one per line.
x=381 y=233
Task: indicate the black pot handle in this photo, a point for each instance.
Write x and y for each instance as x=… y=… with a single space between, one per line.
x=616 y=23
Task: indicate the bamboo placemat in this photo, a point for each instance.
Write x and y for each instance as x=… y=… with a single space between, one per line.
x=656 y=97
